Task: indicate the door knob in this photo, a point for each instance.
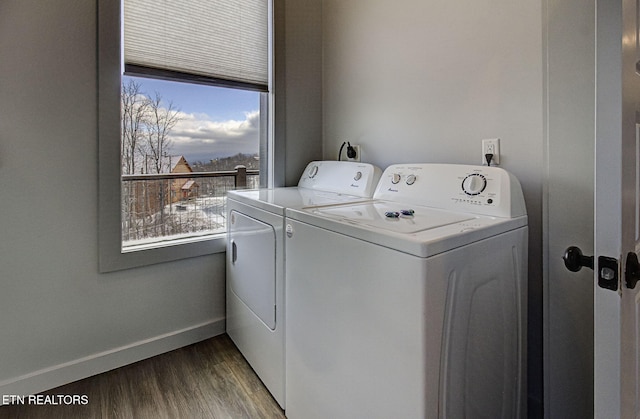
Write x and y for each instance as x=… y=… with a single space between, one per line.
x=632 y=270
x=574 y=260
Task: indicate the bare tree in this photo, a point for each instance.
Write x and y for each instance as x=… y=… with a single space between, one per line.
x=145 y=145
x=134 y=109
x=160 y=122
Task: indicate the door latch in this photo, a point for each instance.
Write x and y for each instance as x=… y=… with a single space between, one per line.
x=574 y=260
x=608 y=273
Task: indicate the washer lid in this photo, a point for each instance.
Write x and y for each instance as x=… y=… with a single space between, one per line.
x=391 y=216
x=428 y=232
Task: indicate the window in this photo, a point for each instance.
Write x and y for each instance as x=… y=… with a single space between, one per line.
x=194 y=75
x=183 y=147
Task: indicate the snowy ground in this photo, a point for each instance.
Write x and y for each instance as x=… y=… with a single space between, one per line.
x=193 y=217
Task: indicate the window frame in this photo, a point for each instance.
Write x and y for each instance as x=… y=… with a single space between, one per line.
x=110 y=67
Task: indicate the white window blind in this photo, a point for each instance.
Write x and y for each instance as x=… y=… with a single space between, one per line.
x=223 y=40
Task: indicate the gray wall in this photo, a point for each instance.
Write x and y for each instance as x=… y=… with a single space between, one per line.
x=303 y=87
x=416 y=81
x=569 y=212
x=56 y=308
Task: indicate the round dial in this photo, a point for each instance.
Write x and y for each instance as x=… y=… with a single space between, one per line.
x=411 y=179
x=358 y=176
x=395 y=178
x=313 y=171
x=474 y=184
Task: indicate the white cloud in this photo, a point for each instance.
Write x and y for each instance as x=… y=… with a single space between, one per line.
x=199 y=135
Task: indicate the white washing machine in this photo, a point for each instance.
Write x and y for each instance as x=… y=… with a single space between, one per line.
x=255 y=258
x=412 y=305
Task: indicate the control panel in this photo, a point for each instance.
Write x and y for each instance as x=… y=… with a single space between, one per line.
x=477 y=189
x=346 y=177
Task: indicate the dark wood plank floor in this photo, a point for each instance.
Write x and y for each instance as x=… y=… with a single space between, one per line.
x=209 y=379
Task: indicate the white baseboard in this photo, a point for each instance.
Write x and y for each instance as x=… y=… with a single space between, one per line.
x=57 y=375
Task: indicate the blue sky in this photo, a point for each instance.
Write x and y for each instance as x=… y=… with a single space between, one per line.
x=214 y=121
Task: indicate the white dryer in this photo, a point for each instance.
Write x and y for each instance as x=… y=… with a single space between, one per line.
x=412 y=305
x=255 y=258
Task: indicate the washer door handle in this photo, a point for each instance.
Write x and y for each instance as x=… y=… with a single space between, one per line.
x=234 y=252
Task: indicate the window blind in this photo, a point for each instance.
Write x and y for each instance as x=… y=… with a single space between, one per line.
x=224 y=40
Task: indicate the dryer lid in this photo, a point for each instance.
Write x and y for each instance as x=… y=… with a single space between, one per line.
x=277 y=199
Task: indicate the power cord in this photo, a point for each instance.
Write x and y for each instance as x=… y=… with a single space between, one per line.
x=340 y=152
x=351 y=151
x=488 y=157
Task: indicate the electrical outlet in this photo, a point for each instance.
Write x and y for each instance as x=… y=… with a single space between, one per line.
x=491 y=146
x=358 y=150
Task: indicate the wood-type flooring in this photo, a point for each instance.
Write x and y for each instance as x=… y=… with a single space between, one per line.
x=210 y=379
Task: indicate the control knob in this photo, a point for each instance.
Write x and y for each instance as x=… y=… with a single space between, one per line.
x=395 y=178
x=313 y=171
x=474 y=184
x=411 y=179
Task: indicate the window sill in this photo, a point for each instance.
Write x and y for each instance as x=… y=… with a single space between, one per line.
x=171 y=241
x=160 y=252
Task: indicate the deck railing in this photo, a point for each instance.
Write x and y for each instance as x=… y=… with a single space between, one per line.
x=159 y=207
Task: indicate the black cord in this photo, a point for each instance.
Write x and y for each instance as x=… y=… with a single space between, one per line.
x=340 y=152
